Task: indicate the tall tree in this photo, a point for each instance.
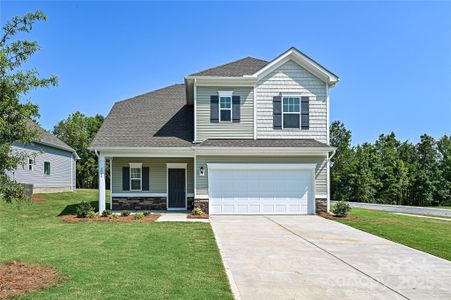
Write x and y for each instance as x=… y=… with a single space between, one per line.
x=364 y=182
x=15 y=83
x=392 y=175
x=78 y=131
x=444 y=184
x=341 y=163
x=428 y=172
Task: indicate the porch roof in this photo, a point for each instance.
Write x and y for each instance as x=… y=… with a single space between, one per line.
x=264 y=143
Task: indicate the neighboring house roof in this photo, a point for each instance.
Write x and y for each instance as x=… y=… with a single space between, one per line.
x=160 y=118
x=270 y=143
x=48 y=139
x=241 y=67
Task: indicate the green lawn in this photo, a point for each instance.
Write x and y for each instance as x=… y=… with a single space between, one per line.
x=112 y=260
x=428 y=235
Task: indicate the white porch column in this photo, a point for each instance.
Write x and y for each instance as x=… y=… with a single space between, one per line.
x=101 y=183
x=111 y=183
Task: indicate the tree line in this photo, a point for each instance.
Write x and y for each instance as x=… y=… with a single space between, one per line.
x=390 y=171
x=78 y=130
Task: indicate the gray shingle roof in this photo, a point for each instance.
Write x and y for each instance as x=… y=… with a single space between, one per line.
x=159 y=118
x=241 y=67
x=49 y=139
x=302 y=143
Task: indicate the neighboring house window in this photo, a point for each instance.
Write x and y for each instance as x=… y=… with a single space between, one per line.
x=291 y=117
x=135 y=176
x=47 y=168
x=225 y=106
x=30 y=164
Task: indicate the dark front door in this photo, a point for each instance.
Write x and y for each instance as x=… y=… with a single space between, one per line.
x=176 y=188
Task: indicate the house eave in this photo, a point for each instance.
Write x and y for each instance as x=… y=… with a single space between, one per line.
x=217 y=151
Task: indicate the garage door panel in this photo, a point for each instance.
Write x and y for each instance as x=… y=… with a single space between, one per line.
x=271 y=191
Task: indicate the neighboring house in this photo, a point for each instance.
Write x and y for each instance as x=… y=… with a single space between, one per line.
x=51 y=164
x=247 y=137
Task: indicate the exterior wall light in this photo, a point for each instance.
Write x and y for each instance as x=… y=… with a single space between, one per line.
x=202 y=171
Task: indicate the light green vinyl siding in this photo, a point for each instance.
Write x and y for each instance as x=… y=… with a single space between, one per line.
x=292 y=79
x=206 y=129
x=320 y=161
x=157 y=170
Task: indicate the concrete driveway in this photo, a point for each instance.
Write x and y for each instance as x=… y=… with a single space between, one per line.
x=308 y=257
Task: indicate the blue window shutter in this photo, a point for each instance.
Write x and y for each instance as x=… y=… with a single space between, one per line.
x=125 y=179
x=305 y=113
x=145 y=178
x=236 y=113
x=214 y=109
x=277 y=112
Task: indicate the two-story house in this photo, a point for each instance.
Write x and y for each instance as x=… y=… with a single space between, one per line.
x=247 y=137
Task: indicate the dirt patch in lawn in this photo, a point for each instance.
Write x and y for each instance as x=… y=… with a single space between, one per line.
x=17 y=279
x=332 y=217
x=38 y=199
x=202 y=216
x=127 y=219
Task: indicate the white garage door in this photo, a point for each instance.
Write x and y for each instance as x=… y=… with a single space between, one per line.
x=261 y=188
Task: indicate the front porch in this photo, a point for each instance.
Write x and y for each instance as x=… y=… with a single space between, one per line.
x=147 y=183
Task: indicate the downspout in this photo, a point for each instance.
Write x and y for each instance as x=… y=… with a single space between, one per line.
x=333 y=154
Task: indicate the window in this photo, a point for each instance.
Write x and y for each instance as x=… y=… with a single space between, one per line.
x=30 y=164
x=291 y=116
x=135 y=176
x=47 y=168
x=225 y=106
x=225 y=109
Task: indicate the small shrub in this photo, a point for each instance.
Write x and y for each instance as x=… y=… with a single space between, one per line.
x=125 y=213
x=197 y=211
x=107 y=213
x=92 y=214
x=83 y=209
x=114 y=216
x=146 y=213
x=341 y=209
x=138 y=216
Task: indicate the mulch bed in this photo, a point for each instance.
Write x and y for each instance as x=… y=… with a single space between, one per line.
x=127 y=219
x=202 y=216
x=38 y=199
x=332 y=217
x=18 y=278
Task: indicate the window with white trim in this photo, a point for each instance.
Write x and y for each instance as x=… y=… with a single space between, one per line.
x=225 y=106
x=291 y=112
x=30 y=164
x=135 y=176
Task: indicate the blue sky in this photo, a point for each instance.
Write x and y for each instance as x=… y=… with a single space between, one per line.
x=393 y=58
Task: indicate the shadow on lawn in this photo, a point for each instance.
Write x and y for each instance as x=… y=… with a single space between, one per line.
x=72 y=208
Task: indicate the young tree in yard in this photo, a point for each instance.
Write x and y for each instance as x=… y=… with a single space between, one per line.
x=15 y=83
x=78 y=131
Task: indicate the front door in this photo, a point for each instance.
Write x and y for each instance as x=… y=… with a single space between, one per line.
x=176 y=189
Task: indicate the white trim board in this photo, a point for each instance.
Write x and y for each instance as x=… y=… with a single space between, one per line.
x=260 y=166
x=144 y=194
